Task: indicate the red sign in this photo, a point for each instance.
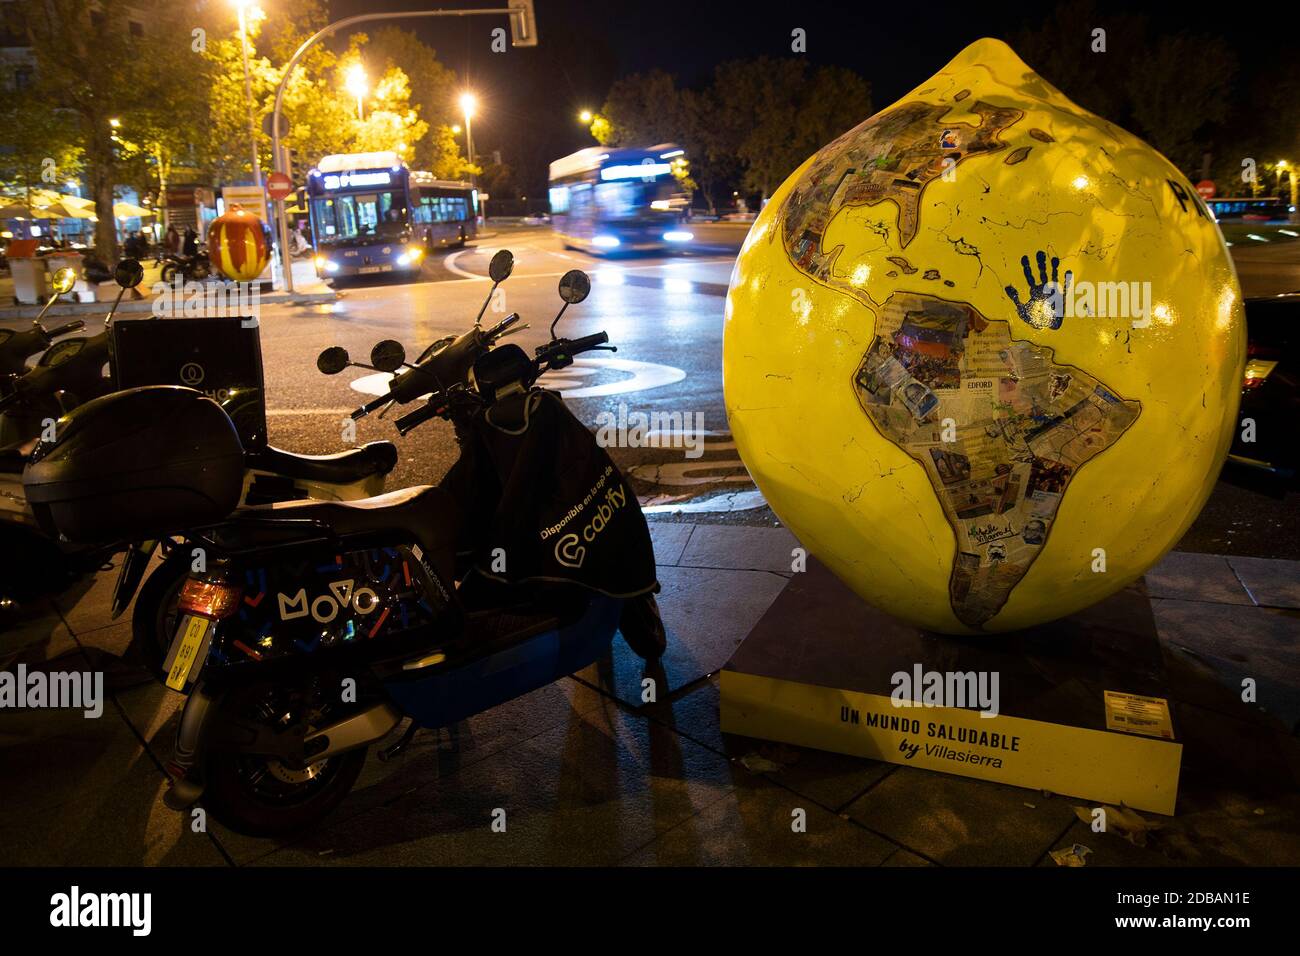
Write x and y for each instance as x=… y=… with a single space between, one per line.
x=278 y=185
x=1206 y=188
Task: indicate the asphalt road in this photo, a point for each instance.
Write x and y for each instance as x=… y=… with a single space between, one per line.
x=664 y=313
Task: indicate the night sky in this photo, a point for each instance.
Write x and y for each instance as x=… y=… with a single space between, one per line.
x=530 y=97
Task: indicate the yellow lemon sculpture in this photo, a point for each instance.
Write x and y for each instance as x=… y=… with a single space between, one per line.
x=983 y=352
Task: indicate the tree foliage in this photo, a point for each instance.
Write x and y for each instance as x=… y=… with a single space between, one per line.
x=752 y=125
x=172 y=76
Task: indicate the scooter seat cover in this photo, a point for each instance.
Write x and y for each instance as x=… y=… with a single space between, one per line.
x=429 y=513
x=355 y=464
x=538 y=489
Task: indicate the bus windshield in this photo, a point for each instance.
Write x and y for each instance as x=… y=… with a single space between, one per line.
x=354 y=215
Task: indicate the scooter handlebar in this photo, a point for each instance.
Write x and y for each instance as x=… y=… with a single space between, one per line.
x=430 y=409
x=74 y=326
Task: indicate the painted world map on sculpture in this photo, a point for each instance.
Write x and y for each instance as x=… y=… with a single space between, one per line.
x=1019 y=425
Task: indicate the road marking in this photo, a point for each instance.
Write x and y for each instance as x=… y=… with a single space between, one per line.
x=643 y=376
x=731 y=501
x=309 y=411
x=449 y=264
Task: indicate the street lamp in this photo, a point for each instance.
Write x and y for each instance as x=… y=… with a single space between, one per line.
x=467 y=104
x=243 y=6
x=585 y=117
x=523 y=32
x=355 y=83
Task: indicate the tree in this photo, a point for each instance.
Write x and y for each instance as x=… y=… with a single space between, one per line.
x=775 y=113
x=39 y=145
x=1179 y=91
x=1174 y=88
x=97 y=59
x=390 y=123
x=640 y=110
x=448 y=162
x=433 y=90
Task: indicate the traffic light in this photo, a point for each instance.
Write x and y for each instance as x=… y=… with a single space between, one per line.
x=523 y=23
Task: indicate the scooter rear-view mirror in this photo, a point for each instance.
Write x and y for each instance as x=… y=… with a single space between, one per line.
x=502 y=264
x=129 y=273
x=575 y=285
x=499 y=269
x=387 y=356
x=63 y=280
x=333 y=360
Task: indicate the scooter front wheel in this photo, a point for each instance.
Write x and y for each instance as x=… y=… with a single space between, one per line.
x=643 y=628
x=261 y=795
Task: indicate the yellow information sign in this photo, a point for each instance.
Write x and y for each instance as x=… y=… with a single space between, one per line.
x=1135 y=714
x=1112 y=768
x=188 y=651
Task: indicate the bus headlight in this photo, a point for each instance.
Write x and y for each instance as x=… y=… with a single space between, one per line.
x=414 y=253
x=678 y=235
x=323 y=263
x=605 y=242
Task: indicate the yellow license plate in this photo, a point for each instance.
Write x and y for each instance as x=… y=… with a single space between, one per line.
x=189 y=639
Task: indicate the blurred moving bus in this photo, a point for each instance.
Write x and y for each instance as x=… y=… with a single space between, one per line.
x=370 y=214
x=615 y=200
x=1249 y=209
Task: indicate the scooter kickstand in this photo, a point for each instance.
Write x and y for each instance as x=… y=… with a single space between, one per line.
x=388 y=753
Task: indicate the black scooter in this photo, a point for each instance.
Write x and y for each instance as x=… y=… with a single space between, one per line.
x=195 y=268
x=315 y=628
x=16 y=347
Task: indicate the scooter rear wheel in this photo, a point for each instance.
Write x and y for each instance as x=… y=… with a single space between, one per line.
x=154 y=618
x=237 y=797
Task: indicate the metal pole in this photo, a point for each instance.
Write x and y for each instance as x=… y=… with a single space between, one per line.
x=469 y=146
x=284 y=80
x=248 y=98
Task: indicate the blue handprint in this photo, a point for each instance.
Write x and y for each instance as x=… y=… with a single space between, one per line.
x=1045 y=306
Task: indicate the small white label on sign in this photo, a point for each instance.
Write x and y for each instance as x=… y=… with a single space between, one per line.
x=1135 y=714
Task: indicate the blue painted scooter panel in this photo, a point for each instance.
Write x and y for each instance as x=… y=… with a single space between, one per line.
x=448 y=696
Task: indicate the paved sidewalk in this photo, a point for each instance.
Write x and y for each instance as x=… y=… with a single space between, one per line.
x=308 y=289
x=588 y=773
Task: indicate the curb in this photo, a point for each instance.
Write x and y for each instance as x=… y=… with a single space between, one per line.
x=146 y=305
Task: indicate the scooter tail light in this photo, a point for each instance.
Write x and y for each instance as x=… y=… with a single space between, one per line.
x=1257 y=372
x=212 y=599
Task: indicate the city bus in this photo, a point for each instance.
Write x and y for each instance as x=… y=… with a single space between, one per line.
x=369 y=214
x=1249 y=209
x=619 y=200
